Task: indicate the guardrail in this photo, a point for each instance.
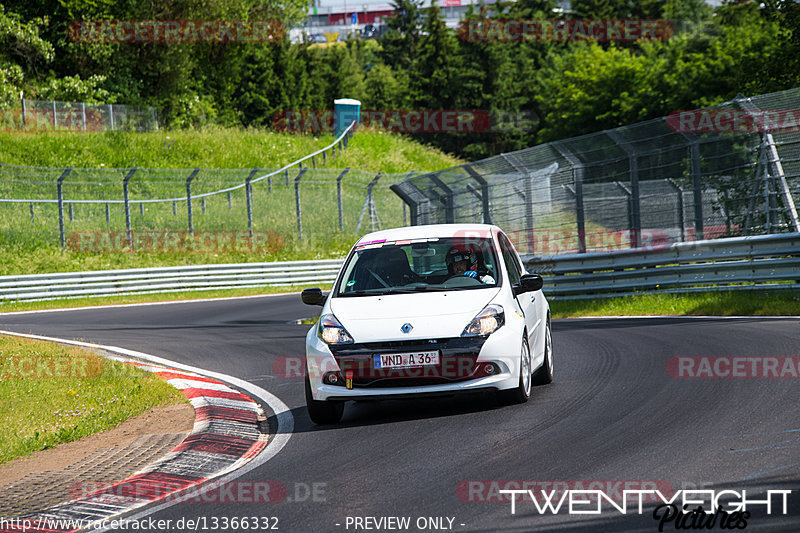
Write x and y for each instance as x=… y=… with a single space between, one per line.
x=35 y=287
x=719 y=264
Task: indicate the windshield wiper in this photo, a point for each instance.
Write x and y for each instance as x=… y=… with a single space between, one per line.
x=359 y=293
x=397 y=290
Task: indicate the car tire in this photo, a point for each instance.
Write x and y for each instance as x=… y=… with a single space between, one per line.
x=522 y=392
x=322 y=412
x=544 y=375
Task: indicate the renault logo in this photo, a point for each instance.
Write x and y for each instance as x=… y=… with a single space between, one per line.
x=407 y=327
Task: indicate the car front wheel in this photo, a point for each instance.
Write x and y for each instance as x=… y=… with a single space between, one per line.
x=322 y=412
x=522 y=392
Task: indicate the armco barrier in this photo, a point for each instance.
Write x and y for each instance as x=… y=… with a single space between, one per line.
x=165 y=279
x=734 y=263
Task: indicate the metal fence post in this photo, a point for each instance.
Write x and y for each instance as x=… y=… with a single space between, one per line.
x=697 y=190
x=631 y=225
x=111 y=116
x=577 y=181
x=32 y=212
x=230 y=201
x=697 y=186
x=633 y=170
x=108 y=214
x=248 y=192
x=519 y=167
x=369 y=205
x=55 y=120
x=484 y=195
x=125 y=200
x=60 y=196
x=404 y=203
x=189 y=200
x=681 y=220
x=449 y=205
x=71 y=215
x=297 y=202
x=339 y=197
x=412 y=205
x=203 y=205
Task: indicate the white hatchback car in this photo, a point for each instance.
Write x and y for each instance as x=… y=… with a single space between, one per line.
x=427 y=310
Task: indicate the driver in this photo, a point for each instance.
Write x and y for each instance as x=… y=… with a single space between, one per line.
x=464 y=262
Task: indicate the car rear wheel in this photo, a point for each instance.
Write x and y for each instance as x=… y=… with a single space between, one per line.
x=322 y=412
x=544 y=375
x=522 y=392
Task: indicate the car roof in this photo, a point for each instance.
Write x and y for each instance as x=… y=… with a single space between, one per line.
x=429 y=231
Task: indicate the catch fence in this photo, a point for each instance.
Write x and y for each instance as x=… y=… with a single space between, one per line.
x=112 y=210
x=50 y=115
x=729 y=170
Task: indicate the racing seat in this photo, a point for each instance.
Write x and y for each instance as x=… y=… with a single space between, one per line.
x=395 y=269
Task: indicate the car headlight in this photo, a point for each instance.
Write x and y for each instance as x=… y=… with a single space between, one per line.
x=486 y=322
x=332 y=331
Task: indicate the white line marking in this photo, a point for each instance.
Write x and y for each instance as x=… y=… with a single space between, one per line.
x=282 y=414
x=142 y=304
x=182 y=383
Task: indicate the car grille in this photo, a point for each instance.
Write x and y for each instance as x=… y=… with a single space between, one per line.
x=457 y=362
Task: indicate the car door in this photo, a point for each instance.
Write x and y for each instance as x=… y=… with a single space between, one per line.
x=526 y=301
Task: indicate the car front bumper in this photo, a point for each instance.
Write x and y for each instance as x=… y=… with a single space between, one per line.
x=501 y=348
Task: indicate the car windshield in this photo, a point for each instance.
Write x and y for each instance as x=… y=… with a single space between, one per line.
x=439 y=264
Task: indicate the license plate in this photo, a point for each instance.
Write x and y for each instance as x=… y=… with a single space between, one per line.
x=406 y=360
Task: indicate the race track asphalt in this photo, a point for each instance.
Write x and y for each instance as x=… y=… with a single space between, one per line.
x=613 y=414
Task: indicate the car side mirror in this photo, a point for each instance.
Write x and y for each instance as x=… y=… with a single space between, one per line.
x=529 y=283
x=312 y=296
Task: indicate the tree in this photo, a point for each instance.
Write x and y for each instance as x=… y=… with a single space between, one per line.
x=401 y=42
x=23 y=53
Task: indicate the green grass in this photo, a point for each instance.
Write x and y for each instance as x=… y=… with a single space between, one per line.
x=214 y=147
x=31 y=244
x=51 y=394
x=717 y=303
x=7 y=307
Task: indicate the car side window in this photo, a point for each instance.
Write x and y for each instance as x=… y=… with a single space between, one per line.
x=510 y=259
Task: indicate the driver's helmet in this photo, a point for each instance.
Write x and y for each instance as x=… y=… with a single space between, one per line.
x=456 y=254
